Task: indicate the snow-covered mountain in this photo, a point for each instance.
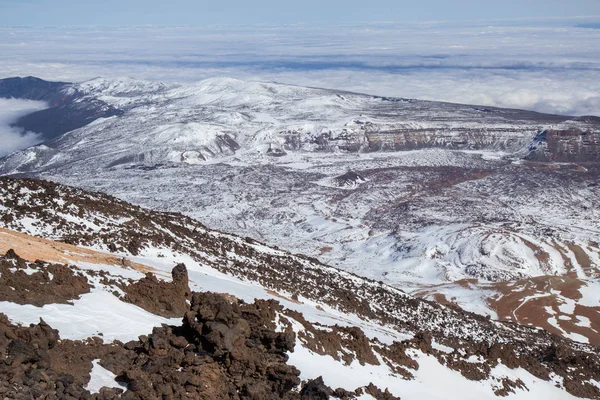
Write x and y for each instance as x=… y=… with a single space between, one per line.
x=108 y=272
x=221 y=116
x=68 y=107
x=454 y=203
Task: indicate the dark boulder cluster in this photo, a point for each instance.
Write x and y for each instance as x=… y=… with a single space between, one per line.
x=36 y=364
x=349 y=179
x=223 y=350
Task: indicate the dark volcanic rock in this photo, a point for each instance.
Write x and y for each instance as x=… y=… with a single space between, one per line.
x=349 y=179
x=379 y=394
x=316 y=390
x=38 y=283
x=223 y=350
x=167 y=299
x=35 y=363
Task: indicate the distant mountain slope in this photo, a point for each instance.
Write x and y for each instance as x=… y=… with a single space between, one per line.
x=222 y=116
x=31 y=88
x=430 y=340
x=67 y=109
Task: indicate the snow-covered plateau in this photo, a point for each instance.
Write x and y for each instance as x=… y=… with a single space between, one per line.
x=494 y=210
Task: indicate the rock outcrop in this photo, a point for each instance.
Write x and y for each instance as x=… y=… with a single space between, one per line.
x=36 y=364
x=569 y=145
x=167 y=299
x=39 y=283
x=222 y=350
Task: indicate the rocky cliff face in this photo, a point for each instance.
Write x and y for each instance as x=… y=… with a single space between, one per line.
x=569 y=145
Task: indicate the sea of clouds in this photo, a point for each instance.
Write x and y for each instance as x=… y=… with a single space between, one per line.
x=545 y=65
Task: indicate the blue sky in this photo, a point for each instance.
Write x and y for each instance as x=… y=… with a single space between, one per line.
x=189 y=12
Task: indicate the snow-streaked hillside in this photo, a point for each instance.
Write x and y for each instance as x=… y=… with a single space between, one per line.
x=402 y=344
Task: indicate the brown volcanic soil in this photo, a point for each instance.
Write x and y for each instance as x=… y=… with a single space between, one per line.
x=513 y=302
x=33 y=248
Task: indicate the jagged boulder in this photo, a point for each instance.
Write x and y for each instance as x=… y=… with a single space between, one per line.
x=167 y=299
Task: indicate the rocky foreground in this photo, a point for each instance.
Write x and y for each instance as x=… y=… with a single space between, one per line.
x=308 y=320
x=221 y=350
x=226 y=348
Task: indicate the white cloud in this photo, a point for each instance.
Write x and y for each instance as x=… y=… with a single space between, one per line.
x=540 y=65
x=12 y=138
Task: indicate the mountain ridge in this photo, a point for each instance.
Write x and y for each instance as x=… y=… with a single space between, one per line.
x=335 y=129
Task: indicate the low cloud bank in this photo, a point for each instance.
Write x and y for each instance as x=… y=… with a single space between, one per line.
x=12 y=138
x=555 y=92
x=548 y=66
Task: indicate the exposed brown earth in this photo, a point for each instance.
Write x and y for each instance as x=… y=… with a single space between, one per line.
x=222 y=350
x=325 y=250
x=293 y=299
x=533 y=302
x=32 y=248
x=513 y=304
